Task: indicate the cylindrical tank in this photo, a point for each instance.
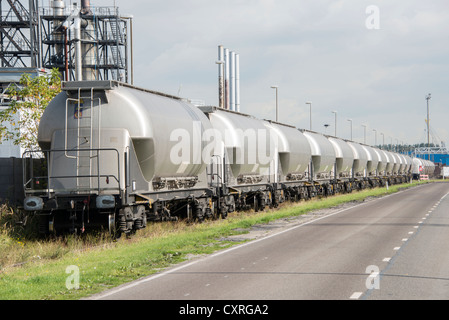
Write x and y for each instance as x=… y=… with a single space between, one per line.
x=360 y=159
x=249 y=146
x=382 y=161
x=293 y=149
x=166 y=132
x=409 y=164
x=58 y=7
x=323 y=154
x=403 y=166
x=429 y=167
x=85 y=6
x=397 y=162
x=57 y=33
x=418 y=166
x=344 y=157
x=373 y=160
x=390 y=162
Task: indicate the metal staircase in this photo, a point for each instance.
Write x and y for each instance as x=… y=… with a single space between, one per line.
x=19 y=28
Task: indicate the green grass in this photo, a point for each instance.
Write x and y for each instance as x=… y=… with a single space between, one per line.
x=36 y=269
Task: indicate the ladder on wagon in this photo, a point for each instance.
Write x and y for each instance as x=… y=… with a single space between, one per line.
x=81 y=137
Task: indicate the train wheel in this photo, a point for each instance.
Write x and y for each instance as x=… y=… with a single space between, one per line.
x=112 y=226
x=256 y=204
x=45 y=224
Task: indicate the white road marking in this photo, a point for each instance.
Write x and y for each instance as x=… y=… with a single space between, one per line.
x=356 y=295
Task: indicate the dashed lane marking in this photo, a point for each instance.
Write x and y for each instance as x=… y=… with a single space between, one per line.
x=356 y=295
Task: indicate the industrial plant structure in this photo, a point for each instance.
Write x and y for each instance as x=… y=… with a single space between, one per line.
x=84 y=42
x=228 y=79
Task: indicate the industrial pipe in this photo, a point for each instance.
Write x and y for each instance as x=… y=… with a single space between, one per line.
x=232 y=81
x=85 y=7
x=237 y=82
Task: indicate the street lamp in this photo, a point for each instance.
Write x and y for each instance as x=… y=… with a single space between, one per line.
x=364 y=133
x=350 y=120
x=375 y=137
x=310 y=104
x=428 y=97
x=383 y=140
x=277 y=102
x=335 y=112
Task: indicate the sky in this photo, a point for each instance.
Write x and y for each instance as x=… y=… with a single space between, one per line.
x=373 y=62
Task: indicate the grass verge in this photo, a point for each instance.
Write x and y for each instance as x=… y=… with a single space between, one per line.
x=33 y=269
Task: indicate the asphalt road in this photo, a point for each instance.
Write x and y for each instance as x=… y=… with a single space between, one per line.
x=395 y=247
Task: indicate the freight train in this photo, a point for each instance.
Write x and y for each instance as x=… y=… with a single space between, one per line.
x=119 y=156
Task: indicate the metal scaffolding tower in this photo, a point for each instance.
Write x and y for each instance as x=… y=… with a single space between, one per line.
x=19 y=34
x=84 y=42
x=102 y=40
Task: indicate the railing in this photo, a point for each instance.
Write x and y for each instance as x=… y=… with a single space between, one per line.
x=41 y=184
x=98 y=11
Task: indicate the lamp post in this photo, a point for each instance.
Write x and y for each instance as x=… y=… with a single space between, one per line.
x=335 y=112
x=428 y=97
x=383 y=140
x=428 y=125
x=375 y=137
x=310 y=104
x=364 y=133
x=350 y=120
x=277 y=102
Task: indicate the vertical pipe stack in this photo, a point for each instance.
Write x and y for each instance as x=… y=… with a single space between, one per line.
x=59 y=33
x=58 y=7
x=226 y=79
x=221 y=76
x=89 y=50
x=78 y=54
x=229 y=87
x=232 y=82
x=237 y=82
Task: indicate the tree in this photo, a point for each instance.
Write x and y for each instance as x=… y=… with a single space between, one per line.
x=28 y=102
